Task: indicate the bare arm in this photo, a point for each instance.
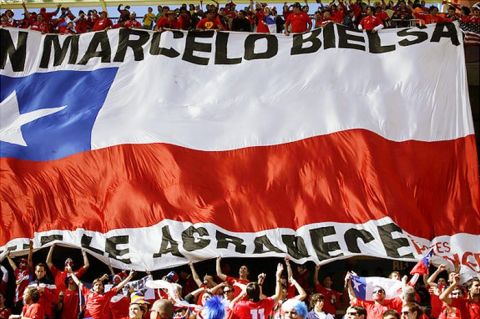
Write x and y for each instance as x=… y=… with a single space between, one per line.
x=315 y=275
x=11 y=262
x=302 y=294
x=75 y=278
x=278 y=285
x=50 y=256
x=30 y=255
x=125 y=281
x=348 y=285
x=195 y=276
x=219 y=286
x=444 y=296
x=433 y=277
x=218 y=267
x=86 y=263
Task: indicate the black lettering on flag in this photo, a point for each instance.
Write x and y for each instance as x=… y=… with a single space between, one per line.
x=295 y=246
x=60 y=51
x=272 y=47
x=264 y=245
x=351 y=238
x=321 y=247
x=189 y=241
x=168 y=245
x=223 y=240
x=86 y=241
x=420 y=36
x=191 y=46
x=312 y=38
x=221 y=51
x=48 y=239
x=451 y=33
x=136 y=45
x=375 y=44
x=112 y=250
x=393 y=244
x=99 y=38
x=16 y=54
x=155 y=48
x=329 y=36
x=345 y=36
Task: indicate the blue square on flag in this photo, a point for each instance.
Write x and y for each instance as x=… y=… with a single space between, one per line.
x=47 y=116
x=359 y=286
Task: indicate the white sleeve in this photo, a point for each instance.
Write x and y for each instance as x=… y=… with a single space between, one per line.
x=4 y=273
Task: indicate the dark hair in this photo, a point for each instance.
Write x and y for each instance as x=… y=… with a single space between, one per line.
x=41 y=265
x=414 y=307
x=34 y=294
x=253 y=291
x=360 y=310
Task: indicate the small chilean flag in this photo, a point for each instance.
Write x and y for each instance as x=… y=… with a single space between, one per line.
x=421 y=268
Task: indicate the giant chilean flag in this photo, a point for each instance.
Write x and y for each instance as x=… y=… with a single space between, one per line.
x=152 y=149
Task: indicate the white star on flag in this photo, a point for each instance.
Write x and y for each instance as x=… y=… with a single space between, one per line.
x=356 y=284
x=11 y=120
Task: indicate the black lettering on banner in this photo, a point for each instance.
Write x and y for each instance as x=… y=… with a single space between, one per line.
x=223 y=240
x=48 y=239
x=60 y=51
x=168 y=245
x=136 y=45
x=375 y=44
x=221 y=52
x=329 y=36
x=112 y=250
x=295 y=246
x=451 y=33
x=312 y=38
x=155 y=48
x=322 y=248
x=17 y=54
x=86 y=241
x=99 y=38
x=420 y=36
x=189 y=241
x=262 y=242
x=25 y=246
x=272 y=46
x=191 y=46
x=352 y=235
x=393 y=244
x=345 y=36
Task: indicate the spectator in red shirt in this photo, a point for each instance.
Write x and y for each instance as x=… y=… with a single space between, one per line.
x=298 y=20
x=132 y=22
x=469 y=306
x=96 y=299
x=242 y=276
x=331 y=297
x=103 y=22
x=4 y=311
x=40 y=25
x=370 y=23
x=32 y=309
x=68 y=300
x=210 y=22
x=22 y=278
x=167 y=21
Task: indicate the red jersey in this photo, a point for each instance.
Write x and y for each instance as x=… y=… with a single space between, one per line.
x=102 y=24
x=71 y=306
x=22 y=278
x=370 y=22
x=468 y=308
x=236 y=290
x=5 y=313
x=262 y=27
x=60 y=276
x=132 y=24
x=206 y=24
x=33 y=311
x=81 y=25
x=247 y=309
x=298 y=22
x=119 y=305
x=376 y=310
x=43 y=27
x=331 y=299
x=165 y=23
x=96 y=305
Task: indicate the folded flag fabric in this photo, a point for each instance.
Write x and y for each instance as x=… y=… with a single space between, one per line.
x=364 y=287
x=423 y=264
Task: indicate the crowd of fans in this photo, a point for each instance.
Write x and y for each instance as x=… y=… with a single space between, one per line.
x=259 y=17
x=43 y=291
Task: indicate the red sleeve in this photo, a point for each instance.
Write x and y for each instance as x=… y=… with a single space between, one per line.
x=54 y=271
x=79 y=273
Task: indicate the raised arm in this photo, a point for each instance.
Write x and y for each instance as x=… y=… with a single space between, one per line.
x=278 y=285
x=302 y=294
x=444 y=296
x=11 y=262
x=75 y=278
x=125 y=281
x=195 y=276
x=433 y=277
x=30 y=255
x=50 y=257
x=348 y=286
x=315 y=275
x=86 y=263
x=289 y=267
x=218 y=267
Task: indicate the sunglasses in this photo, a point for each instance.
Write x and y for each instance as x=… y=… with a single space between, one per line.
x=379 y=291
x=352 y=313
